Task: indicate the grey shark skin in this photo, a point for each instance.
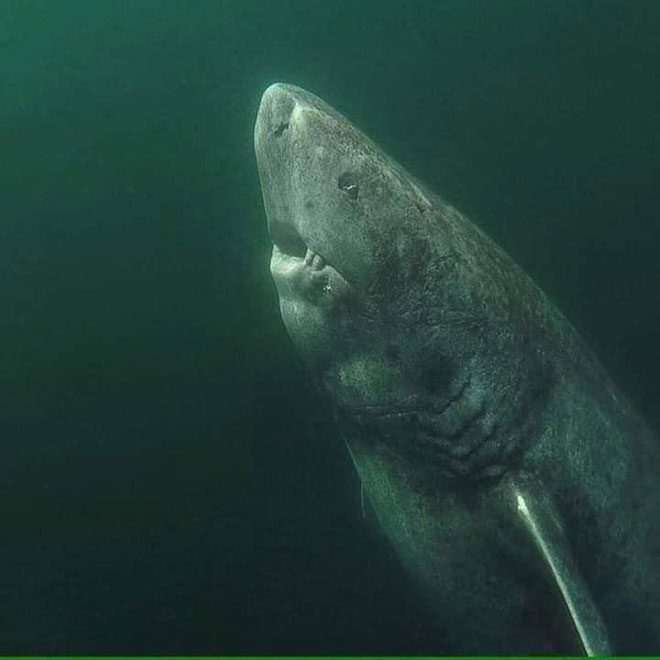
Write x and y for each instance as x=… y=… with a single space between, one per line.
x=517 y=485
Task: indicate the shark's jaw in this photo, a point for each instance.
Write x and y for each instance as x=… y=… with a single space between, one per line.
x=292 y=138
x=389 y=294
x=313 y=263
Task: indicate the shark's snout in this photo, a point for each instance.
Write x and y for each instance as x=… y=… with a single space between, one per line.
x=290 y=126
x=273 y=118
x=281 y=106
x=311 y=163
x=276 y=160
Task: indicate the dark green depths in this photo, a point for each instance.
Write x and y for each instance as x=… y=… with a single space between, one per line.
x=516 y=483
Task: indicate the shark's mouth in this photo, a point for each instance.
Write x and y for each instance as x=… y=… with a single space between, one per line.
x=305 y=269
x=290 y=247
x=302 y=271
x=287 y=240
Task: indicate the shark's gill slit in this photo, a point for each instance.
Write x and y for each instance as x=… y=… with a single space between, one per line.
x=287 y=240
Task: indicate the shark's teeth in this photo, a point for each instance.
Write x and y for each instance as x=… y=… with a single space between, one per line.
x=313 y=260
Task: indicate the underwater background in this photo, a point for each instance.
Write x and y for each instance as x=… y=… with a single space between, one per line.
x=169 y=481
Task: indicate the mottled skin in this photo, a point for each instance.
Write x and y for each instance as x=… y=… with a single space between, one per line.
x=452 y=377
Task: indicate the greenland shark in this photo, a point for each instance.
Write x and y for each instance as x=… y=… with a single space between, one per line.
x=517 y=485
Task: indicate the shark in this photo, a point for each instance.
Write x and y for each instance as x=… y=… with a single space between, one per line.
x=518 y=486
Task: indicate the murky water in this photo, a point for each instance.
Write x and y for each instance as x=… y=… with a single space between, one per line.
x=169 y=482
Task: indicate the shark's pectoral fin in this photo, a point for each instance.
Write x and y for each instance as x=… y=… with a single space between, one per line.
x=551 y=544
x=363 y=494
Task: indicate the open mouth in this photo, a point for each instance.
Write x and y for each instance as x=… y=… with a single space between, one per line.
x=287 y=239
x=299 y=268
x=290 y=244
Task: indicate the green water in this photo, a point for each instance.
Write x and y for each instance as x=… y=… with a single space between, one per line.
x=169 y=482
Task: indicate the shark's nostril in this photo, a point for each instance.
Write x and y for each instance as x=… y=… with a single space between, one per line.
x=281 y=128
x=286 y=238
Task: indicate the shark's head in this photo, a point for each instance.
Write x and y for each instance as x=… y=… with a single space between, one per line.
x=403 y=310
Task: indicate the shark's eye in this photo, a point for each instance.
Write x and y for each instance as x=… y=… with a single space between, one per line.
x=287 y=239
x=348 y=183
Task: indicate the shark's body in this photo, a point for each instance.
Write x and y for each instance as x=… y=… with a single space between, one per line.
x=516 y=483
